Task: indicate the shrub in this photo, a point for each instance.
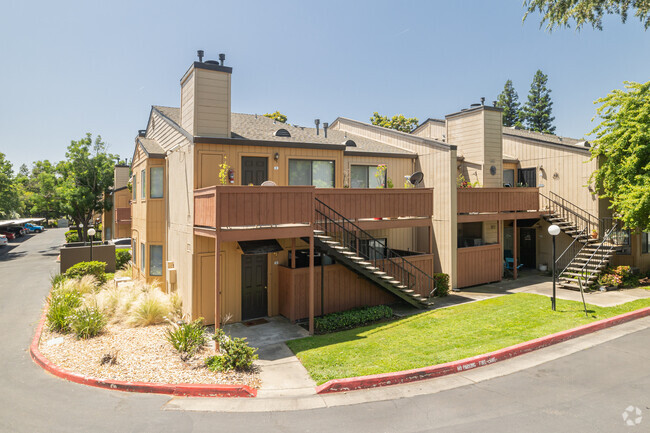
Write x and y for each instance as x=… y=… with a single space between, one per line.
x=62 y=305
x=442 y=284
x=71 y=236
x=57 y=279
x=88 y=268
x=150 y=308
x=234 y=354
x=188 y=338
x=126 y=271
x=87 y=284
x=122 y=257
x=351 y=318
x=86 y=322
x=610 y=280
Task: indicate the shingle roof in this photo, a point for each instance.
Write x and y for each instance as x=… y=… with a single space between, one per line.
x=173 y=113
x=151 y=147
x=549 y=138
x=258 y=127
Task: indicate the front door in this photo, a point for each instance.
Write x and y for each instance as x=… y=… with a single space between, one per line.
x=527 y=254
x=254 y=298
x=254 y=170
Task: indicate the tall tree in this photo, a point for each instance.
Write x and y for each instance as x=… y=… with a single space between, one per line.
x=623 y=151
x=560 y=13
x=45 y=200
x=277 y=116
x=87 y=176
x=9 y=198
x=398 y=122
x=536 y=112
x=508 y=100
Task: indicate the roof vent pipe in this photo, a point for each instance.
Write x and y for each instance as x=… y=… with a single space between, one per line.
x=200 y=54
x=482 y=100
x=494 y=103
x=325 y=126
x=316 y=122
x=222 y=57
x=142 y=132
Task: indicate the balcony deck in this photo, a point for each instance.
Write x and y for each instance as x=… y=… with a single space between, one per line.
x=485 y=204
x=265 y=212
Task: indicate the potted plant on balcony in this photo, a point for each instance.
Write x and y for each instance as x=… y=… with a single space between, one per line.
x=594 y=234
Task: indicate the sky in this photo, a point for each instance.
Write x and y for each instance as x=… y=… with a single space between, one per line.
x=97 y=66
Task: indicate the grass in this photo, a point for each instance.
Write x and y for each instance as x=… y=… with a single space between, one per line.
x=443 y=335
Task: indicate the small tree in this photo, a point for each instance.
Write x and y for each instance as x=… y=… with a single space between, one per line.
x=508 y=101
x=9 y=196
x=87 y=176
x=398 y=122
x=559 y=13
x=276 y=115
x=623 y=151
x=536 y=113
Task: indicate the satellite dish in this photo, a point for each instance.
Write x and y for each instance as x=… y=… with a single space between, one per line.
x=269 y=183
x=416 y=178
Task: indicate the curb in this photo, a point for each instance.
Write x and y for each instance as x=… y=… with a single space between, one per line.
x=182 y=389
x=384 y=379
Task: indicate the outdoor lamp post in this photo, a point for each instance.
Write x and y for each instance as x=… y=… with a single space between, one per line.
x=553 y=230
x=91 y=233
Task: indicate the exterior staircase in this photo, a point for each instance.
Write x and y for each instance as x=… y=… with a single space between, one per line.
x=588 y=255
x=339 y=238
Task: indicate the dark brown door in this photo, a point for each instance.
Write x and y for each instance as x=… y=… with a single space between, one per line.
x=527 y=247
x=254 y=298
x=254 y=170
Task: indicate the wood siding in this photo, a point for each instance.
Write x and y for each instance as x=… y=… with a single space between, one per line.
x=487 y=200
x=479 y=265
x=571 y=164
x=344 y=289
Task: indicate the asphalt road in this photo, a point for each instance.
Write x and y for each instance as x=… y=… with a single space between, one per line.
x=584 y=392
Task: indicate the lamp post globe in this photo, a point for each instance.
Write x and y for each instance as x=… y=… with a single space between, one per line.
x=553 y=230
x=91 y=233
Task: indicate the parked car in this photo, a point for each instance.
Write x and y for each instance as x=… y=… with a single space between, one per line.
x=33 y=228
x=8 y=235
x=17 y=231
x=3 y=240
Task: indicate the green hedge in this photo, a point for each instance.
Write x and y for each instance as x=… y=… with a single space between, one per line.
x=71 y=236
x=442 y=284
x=97 y=269
x=351 y=318
x=122 y=257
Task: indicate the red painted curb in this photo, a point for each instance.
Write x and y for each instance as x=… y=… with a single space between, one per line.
x=384 y=379
x=181 y=389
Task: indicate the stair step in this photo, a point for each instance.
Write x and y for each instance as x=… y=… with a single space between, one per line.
x=371 y=268
x=405 y=290
x=364 y=264
x=394 y=282
x=331 y=242
x=348 y=253
x=386 y=277
x=322 y=237
x=340 y=247
x=319 y=232
x=576 y=275
x=379 y=273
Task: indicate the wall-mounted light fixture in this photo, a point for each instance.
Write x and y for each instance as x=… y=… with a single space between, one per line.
x=276 y=156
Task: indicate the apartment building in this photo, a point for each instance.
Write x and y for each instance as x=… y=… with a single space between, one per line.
x=116 y=222
x=249 y=217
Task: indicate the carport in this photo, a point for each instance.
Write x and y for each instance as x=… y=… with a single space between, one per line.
x=19 y=222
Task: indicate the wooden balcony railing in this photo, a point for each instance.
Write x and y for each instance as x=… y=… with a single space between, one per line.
x=237 y=207
x=224 y=207
x=357 y=204
x=496 y=200
x=123 y=215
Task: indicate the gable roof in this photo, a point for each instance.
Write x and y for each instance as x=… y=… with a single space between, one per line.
x=547 y=138
x=260 y=128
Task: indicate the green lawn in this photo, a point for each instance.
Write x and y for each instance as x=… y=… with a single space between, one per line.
x=443 y=335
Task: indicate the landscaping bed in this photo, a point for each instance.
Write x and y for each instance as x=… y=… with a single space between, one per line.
x=134 y=332
x=443 y=335
x=143 y=355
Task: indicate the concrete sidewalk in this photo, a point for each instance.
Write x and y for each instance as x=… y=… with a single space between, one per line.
x=286 y=403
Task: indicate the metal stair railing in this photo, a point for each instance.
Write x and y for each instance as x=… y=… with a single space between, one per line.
x=571 y=252
x=583 y=220
x=604 y=254
x=379 y=255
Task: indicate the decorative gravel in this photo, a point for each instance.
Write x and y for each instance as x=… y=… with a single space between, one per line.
x=143 y=355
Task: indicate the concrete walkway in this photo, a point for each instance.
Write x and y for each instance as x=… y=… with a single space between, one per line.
x=281 y=373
